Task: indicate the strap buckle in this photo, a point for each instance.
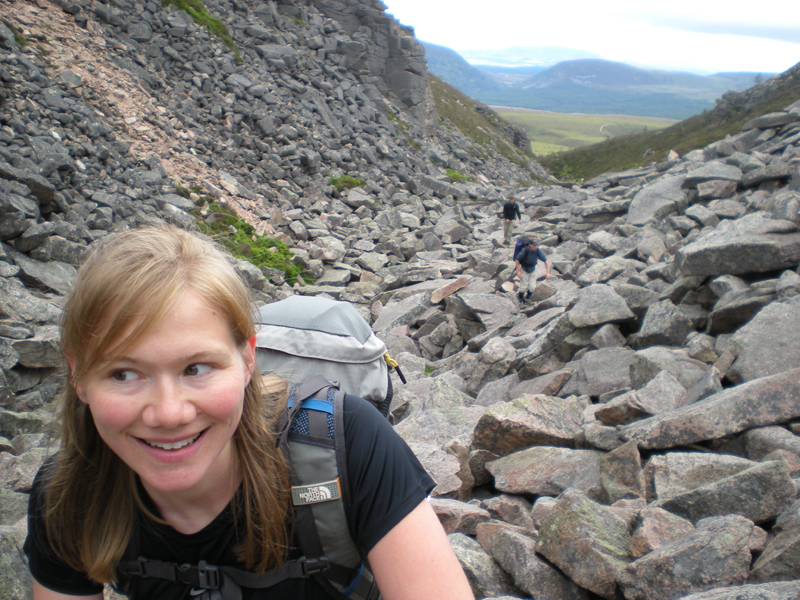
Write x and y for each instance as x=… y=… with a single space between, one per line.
x=314 y=565
x=203 y=576
x=207 y=576
x=136 y=568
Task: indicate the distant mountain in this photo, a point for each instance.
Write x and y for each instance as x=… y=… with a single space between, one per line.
x=450 y=66
x=584 y=85
x=510 y=76
x=605 y=73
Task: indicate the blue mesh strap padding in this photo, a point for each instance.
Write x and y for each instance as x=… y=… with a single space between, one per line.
x=300 y=421
x=314 y=404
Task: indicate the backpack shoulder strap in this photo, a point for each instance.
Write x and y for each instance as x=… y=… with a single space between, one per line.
x=317 y=455
x=312 y=436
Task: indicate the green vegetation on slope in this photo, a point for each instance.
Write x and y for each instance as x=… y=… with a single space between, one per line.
x=732 y=111
x=477 y=122
x=235 y=234
x=557 y=132
x=198 y=12
x=346 y=182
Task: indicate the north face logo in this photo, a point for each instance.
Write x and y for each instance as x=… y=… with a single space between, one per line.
x=312 y=494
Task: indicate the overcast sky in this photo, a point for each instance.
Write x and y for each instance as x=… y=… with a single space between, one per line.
x=703 y=36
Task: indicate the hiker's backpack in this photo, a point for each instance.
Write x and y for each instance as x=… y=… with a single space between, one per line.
x=304 y=336
x=311 y=434
x=518 y=246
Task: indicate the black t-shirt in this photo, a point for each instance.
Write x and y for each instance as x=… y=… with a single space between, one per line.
x=386 y=483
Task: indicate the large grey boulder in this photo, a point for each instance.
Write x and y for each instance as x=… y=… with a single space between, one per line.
x=675 y=473
x=587 y=541
x=648 y=363
x=404 y=312
x=663 y=393
x=781 y=558
x=598 y=304
x=658 y=200
x=548 y=471
x=485 y=576
x=446 y=470
x=654 y=528
x=713 y=171
x=784 y=590
x=515 y=552
x=621 y=474
x=16 y=582
x=766 y=401
x=528 y=421
x=459 y=517
x=768 y=343
x=759 y=493
x=600 y=371
x=716 y=553
x=663 y=325
x=751 y=244
x=480 y=313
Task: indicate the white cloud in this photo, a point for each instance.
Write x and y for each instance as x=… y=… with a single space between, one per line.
x=697 y=35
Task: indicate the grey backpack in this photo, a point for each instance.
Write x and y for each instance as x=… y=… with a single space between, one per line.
x=306 y=336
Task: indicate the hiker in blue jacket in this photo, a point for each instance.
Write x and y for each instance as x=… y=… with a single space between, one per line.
x=525 y=263
x=169 y=442
x=510 y=212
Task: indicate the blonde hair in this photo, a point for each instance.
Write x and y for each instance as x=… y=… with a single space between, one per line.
x=125 y=288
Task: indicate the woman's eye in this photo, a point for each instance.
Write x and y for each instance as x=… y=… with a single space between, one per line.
x=124 y=375
x=197 y=369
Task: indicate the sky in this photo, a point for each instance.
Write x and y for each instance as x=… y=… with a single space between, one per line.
x=700 y=36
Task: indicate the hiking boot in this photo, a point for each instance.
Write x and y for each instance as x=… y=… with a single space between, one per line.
x=528 y=298
x=521 y=297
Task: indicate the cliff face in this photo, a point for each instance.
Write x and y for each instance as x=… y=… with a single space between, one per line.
x=380 y=47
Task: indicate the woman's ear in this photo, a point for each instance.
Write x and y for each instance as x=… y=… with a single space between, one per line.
x=73 y=380
x=249 y=356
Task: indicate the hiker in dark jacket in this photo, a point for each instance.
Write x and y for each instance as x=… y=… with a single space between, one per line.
x=510 y=212
x=526 y=268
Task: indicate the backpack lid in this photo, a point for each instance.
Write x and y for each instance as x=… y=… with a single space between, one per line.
x=314 y=313
x=318 y=328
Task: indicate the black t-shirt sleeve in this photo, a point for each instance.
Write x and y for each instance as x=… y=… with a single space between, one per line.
x=45 y=566
x=386 y=481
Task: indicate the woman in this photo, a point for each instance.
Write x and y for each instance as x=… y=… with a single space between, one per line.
x=168 y=442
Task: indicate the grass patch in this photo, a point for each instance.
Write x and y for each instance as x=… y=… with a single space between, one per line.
x=732 y=111
x=454 y=176
x=242 y=241
x=198 y=12
x=18 y=37
x=476 y=121
x=346 y=182
x=558 y=132
x=428 y=370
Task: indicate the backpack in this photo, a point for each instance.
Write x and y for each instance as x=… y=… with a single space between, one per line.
x=304 y=336
x=518 y=246
x=311 y=433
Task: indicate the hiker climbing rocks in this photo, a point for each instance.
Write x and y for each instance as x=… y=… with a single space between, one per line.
x=525 y=263
x=180 y=472
x=510 y=212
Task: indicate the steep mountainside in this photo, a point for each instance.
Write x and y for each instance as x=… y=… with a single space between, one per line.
x=456 y=71
x=727 y=116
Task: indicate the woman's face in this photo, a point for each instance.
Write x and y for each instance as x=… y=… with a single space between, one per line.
x=169 y=407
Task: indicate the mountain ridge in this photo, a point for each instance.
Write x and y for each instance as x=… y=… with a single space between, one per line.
x=590 y=85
